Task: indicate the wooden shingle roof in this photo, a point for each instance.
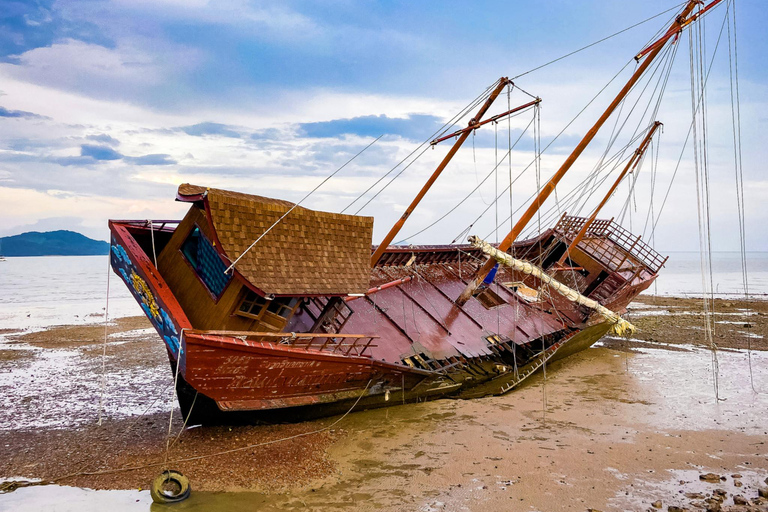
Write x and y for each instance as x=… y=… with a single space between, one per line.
x=308 y=252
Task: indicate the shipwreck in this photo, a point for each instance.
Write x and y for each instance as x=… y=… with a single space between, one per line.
x=272 y=311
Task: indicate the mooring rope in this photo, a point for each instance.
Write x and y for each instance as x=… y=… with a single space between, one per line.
x=11 y=486
x=173 y=394
x=106 y=335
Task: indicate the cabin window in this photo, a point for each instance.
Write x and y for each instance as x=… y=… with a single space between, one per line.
x=490 y=299
x=208 y=266
x=254 y=305
x=282 y=306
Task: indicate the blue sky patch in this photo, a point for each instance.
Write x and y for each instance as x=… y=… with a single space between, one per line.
x=26 y=25
x=156 y=159
x=201 y=129
x=4 y=112
x=99 y=152
x=414 y=127
x=104 y=139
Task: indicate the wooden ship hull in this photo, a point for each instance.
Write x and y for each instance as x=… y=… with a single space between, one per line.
x=403 y=340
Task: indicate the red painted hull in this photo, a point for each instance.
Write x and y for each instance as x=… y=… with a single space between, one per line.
x=241 y=375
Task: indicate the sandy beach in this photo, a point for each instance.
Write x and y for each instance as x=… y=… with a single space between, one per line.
x=616 y=427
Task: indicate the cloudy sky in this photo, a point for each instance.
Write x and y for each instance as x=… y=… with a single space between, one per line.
x=106 y=106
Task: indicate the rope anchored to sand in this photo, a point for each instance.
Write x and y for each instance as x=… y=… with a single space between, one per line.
x=620 y=326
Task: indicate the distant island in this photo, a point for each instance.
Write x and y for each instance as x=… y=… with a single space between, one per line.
x=51 y=243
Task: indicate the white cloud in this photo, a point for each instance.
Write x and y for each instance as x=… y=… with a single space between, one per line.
x=73 y=64
x=83 y=88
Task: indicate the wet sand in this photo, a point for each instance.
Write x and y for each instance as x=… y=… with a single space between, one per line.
x=615 y=427
x=670 y=320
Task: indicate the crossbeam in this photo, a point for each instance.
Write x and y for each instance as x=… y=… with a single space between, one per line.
x=489 y=120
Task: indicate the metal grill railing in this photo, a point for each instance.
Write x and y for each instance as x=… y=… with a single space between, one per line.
x=569 y=226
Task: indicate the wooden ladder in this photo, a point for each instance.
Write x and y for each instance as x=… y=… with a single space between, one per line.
x=531 y=368
x=335 y=312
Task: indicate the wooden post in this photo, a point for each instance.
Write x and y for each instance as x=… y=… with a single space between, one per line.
x=503 y=82
x=631 y=165
x=550 y=185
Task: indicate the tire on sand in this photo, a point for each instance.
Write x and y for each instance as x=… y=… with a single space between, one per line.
x=170 y=487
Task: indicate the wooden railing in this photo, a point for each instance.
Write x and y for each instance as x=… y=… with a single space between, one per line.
x=344 y=344
x=569 y=226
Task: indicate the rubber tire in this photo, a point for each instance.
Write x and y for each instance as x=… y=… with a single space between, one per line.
x=161 y=496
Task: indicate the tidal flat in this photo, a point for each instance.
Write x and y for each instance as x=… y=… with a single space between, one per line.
x=617 y=427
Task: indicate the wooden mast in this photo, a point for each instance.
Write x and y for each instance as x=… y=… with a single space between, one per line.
x=503 y=82
x=631 y=165
x=680 y=21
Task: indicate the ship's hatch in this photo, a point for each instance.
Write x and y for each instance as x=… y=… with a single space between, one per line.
x=490 y=299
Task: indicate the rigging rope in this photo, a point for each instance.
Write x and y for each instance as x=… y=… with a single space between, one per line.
x=702 y=203
x=675 y=8
x=496 y=174
x=152 y=235
x=507 y=156
x=733 y=69
x=173 y=395
x=662 y=64
x=555 y=138
x=571 y=196
x=229 y=268
x=690 y=129
x=441 y=131
x=509 y=149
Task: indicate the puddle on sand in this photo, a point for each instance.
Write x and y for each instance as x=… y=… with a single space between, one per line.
x=45 y=403
x=56 y=498
x=683 y=487
x=682 y=386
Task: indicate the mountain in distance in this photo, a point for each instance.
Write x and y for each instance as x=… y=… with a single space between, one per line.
x=51 y=243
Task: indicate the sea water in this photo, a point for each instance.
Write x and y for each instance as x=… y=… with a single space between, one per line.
x=38 y=292
x=682 y=276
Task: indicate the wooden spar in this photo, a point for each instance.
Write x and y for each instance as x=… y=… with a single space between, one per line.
x=503 y=82
x=376 y=289
x=489 y=120
x=554 y=180
x=675 y=30
x=631 y=165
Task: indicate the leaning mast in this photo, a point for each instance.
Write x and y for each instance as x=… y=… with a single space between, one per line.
x=630 y=167
x=462 y=135
x=650 y=53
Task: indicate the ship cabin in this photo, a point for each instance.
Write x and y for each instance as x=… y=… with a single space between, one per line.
x=310 y=259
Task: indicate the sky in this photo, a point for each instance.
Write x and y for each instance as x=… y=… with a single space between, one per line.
x=106 y=106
